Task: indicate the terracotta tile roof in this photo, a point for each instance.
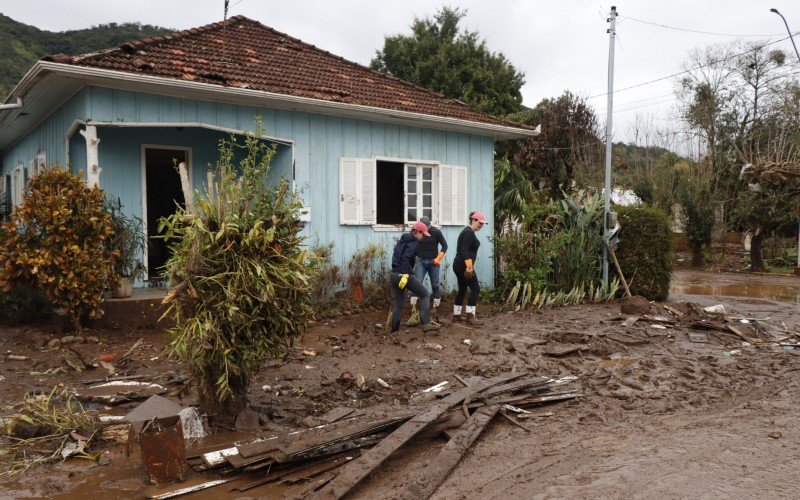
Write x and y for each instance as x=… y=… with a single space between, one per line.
x=246 y=54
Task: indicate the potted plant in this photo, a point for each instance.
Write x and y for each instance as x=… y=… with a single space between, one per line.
x=127 y=244
x=357 y=271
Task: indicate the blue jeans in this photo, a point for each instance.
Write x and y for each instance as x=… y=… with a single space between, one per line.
x=425 y=266
x=418 y=290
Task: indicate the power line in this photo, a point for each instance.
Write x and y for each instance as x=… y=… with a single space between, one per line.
x=696 y=31
x=693 y=69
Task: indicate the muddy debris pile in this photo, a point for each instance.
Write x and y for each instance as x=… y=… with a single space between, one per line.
x=701 y=322
x=334 y=457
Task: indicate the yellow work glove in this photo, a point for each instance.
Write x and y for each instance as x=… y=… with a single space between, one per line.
x=403 y=281
x=469 y=273
x=438 y=259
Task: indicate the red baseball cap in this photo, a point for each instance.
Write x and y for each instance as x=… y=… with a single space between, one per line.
x=478 y=216
x=421 y=227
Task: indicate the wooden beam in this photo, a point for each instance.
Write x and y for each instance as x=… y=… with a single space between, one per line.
x=437 y=470
x=359 y=469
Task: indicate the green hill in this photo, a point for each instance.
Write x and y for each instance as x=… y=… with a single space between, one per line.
x=22 y=45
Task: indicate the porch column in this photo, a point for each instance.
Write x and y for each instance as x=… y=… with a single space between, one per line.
x=92 y=162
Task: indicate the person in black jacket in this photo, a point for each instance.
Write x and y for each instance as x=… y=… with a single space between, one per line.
x=463 y=265
x=402 y=277
x=429 y=256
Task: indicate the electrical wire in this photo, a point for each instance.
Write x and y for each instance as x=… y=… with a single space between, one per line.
x=691 y=69
x=696 y=31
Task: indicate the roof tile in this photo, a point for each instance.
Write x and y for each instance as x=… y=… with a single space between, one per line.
x=246 y=54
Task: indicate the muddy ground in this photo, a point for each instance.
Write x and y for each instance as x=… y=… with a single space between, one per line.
x=660 y=416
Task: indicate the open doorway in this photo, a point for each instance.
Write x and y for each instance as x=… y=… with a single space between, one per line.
x=162 y=194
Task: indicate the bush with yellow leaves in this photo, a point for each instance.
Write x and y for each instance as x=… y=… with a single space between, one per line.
x=56 y=241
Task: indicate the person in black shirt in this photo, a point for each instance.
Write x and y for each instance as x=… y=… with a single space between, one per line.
x=429 y=256
x=463 y=265
x=402 y=277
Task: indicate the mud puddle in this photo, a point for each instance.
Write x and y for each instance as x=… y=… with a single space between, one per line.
x=784 y=288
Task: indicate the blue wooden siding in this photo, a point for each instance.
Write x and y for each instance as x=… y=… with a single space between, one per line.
x=320 y=141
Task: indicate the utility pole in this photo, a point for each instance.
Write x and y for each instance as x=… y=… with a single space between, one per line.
x=612 y=32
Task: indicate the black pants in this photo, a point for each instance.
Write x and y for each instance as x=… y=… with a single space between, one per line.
x=418 y=290
x=459 y=267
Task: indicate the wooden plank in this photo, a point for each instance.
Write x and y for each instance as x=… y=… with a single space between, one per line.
x=336 y=414
x=357 y=470
x=439 y=468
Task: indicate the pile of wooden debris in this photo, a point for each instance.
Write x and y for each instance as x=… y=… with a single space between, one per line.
x=359 y=445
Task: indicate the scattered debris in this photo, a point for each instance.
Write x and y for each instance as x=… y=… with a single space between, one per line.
x=466 y=342
x=163 y=450
x=361 y=382
x=433 y=347
x=382 y=383
x=436 y=388
x=717 y=309
x=14 y=357
x=775 y=435
x=300 y=455
x=698 y=337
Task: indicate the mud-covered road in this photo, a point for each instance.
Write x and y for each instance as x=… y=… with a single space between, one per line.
x=660 y=417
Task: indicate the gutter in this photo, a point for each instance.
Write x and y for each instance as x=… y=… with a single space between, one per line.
x=97 y=75
x=15 y=105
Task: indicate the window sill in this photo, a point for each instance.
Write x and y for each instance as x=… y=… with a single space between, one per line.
x=389 y=228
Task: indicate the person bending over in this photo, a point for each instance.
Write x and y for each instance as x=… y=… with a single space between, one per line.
x=402 y=277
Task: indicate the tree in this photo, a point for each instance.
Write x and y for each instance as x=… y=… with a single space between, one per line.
x=439 y=56
x=568 y=145
x=241 y=274
x=698 y=214
x=56 y=242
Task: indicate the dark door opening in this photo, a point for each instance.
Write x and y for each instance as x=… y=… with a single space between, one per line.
x=164 y=193
x=390 y=193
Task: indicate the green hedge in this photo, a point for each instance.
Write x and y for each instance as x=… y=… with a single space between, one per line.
x=645 y=250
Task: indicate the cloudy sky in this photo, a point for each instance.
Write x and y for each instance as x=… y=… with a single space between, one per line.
x=559 y=45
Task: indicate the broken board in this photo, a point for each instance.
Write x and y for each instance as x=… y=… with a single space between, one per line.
x=357 y=470
x=439 y=468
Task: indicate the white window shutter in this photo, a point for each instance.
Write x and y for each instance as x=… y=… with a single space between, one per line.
x=460 y=212
x=349 y=190
x=369 y=202
x=446 y=195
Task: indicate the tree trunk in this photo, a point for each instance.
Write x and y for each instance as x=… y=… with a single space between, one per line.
x=697 y=255
x=221 y=412
x=756 y=260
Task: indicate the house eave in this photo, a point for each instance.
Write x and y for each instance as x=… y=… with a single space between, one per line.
x=249 y=97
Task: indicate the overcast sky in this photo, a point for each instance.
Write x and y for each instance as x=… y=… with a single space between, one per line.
x=558 y=45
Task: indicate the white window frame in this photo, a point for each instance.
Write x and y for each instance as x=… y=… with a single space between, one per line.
x=356 y=192
x=420 y=182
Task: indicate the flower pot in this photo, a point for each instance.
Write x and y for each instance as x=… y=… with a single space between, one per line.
x=124 y=289
x=358 y=292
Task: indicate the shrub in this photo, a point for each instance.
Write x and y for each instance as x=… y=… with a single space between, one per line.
x=56 y=242
x=128 y=241
x=697 y=215
x=555 y=247
x=645 y=251
x=367 y=267
x=242 y=283
x=23 y=305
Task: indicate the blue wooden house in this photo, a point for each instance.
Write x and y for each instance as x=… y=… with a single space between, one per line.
x=368 y=152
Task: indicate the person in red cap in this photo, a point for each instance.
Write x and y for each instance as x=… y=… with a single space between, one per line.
x=402 y=277
x=463 y=265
